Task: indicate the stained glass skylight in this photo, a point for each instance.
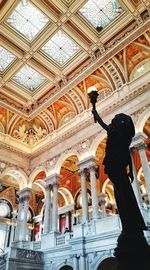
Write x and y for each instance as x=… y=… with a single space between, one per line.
x=27 y=19
x=6 y=58
x=29 y=78
x=61 y=48
x=101 y=12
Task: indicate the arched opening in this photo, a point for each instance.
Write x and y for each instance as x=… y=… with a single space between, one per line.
x=38 y=207
x=109 y=264
x=66 y=267
x=69 y=184
x=103 y=183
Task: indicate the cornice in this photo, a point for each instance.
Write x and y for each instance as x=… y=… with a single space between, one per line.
x=17 y=151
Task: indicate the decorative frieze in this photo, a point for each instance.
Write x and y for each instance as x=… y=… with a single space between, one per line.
x=32 y=255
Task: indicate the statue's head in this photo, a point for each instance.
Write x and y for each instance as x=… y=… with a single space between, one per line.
x=124 y=122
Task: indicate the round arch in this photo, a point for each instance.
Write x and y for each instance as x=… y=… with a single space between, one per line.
x=40 y=183
x=62 y=158
x=97 y=261
x=108 y=263
x=105 y=190
x=67 y=194
x=142 y=120
x=66 y=267
x=135 y=73
x=19 y=175
x=96 y=142
x=35 y=172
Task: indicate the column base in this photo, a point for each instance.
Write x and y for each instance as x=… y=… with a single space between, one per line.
x=132 y=251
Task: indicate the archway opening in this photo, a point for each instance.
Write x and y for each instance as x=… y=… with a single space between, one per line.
x=69 y=184
x=66 y=267
x=109 y=264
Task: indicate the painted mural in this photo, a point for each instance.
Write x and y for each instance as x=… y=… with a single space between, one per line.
x=134 y=54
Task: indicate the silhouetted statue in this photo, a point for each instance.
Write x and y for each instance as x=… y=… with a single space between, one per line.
x=118 y=167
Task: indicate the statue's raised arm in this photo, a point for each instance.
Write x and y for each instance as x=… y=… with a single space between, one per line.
x=99 y=119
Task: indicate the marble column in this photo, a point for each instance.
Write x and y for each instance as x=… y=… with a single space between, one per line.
x=21 y=227
x=102 y=202
x=138 y=143
x=84 y=197
x=48 y=209
x=75 y=262
x=135 y=183
x=13 y=225
x=94 y=194
x=145 y=167
x=82 y=262
x=55 y=208
x=53 y=181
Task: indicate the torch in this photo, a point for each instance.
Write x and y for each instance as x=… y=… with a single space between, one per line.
x=93 y=94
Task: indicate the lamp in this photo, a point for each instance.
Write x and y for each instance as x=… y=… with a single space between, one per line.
x=93 y=94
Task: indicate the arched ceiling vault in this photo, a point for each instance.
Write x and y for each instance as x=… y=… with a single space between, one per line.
x=52 y=51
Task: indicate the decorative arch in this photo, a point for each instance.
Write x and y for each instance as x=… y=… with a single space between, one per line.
x=35 y=172
x=142 y=120
x=67 y=195
x=108 y=191
x=101 y=136
x=98 y=260
x=63 y=157
x=19 y=175
x=40 y=183
x=140 y=69
x=65 y=266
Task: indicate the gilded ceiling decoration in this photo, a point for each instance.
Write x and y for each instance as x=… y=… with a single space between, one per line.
x=27 y=19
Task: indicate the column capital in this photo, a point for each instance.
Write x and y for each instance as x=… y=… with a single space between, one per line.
x=92 y=167
x=139 y=138
x=48 y=187
x=24 y=194
x=53 y=178
x=87 y=162
x=81 y=171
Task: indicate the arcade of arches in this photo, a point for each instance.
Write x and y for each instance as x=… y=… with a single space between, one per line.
x=55 y=198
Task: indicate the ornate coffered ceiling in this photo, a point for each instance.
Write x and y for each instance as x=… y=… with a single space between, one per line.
x=52 y=51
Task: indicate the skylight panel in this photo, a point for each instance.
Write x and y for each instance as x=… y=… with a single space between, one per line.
x=6 y=58
x=61 y=48
x=27 y=20
x=29 y=78
x=100 y=12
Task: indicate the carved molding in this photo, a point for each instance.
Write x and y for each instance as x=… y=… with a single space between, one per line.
x=34 y=256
